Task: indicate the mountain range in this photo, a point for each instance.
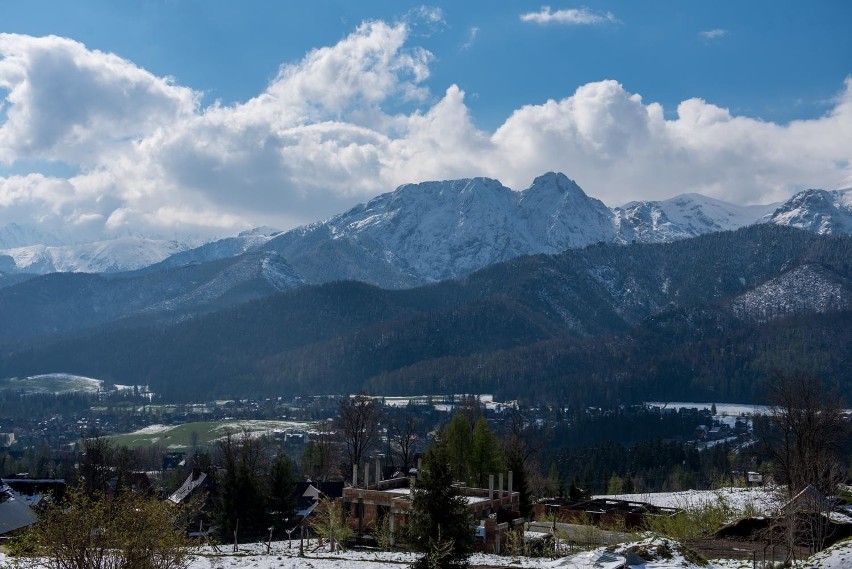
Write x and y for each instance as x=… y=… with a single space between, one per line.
x=432 y=231
x=462 y=285
x=704 y=317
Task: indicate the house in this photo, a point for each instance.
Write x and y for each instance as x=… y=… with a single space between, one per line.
x=33 y=491
x=367 y=505
x=309 y=494
x=14 y=511
x=600 y=511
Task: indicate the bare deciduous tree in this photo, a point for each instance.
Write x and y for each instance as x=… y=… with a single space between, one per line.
x=316 y=461
x=358 y=426
x=403 y=435
x=805 y=435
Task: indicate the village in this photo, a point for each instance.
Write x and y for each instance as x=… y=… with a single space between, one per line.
x=524 y=494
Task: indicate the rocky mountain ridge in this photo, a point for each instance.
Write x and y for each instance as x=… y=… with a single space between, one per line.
x=432 y=231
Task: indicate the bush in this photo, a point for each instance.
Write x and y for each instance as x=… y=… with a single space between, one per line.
x=692 y=523
x=110 y=533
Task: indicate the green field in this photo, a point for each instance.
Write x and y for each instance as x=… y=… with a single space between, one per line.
x=180 y=437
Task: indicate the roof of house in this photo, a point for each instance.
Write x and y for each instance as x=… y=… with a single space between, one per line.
x=14 y=512
x=192 y=482
x=810 y=500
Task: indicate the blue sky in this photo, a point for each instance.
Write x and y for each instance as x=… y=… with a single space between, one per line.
x=212 y=116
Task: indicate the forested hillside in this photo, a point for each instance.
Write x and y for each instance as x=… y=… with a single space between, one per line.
x=696 y=318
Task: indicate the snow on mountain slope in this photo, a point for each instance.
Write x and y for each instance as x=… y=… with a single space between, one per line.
x=681 y=217
x=246 y=241
x=821 y=211
x=805 y=289
x=252 y=272
x=438 y=230
x=116 y=255
x=432 y=231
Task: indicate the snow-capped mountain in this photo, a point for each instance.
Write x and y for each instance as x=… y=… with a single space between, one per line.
x=682 y=217
x=432 y=231
x=246 y=241
x=821 y=211
x=115 y=255
x=14 y=235
x=437 y=230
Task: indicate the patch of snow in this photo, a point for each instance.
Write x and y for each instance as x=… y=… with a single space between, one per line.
x=762 y=500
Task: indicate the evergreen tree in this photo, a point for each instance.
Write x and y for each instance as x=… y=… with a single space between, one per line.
x=281 y=502
x=484 y=456
x=458 y=439
x=439 y=523
x=515 y=464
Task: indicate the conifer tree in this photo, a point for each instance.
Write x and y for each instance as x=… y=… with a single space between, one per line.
x=282 y=481
x=439 y=523
x=484 y=456
x=458 y=441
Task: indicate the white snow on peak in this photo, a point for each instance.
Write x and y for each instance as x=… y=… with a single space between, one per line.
x=683 y=216
x=826 y=212
x=439 y=230
x=115 y=255
x=436 y=230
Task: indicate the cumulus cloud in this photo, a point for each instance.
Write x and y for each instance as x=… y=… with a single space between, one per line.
x=319 y=139
x=68 y=103
x=569 y=16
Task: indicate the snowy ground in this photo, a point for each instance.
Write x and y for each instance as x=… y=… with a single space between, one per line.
x=758 y=500
x=663 y=553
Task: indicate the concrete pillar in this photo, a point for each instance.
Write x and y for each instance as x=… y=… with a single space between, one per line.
x=366 y=474
x=392 y=525
x=500 y=486
x=510 y=484
x=490 y=487
x=378 y=470
x=354 y=475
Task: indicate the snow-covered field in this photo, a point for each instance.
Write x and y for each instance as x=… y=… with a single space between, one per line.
x=758 y=500
x=660 y=552
x=52 y=383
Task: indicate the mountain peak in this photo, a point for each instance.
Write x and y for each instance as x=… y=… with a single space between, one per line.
x=556 y=180
x=820 y=211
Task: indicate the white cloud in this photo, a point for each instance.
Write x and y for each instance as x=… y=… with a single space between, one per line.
x=68 y=103
x=569 y=16
x=714 y=34
x=472 y=32
x=319 y=139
